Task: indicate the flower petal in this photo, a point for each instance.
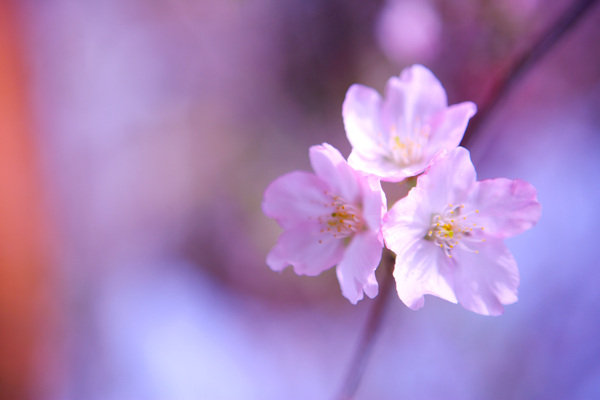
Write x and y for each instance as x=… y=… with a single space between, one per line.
x=416 y=94
x=356 y=271
x=295 y=198
x=374 y=202
x=300 y=247
x=382 y=168
x=362 y=121
x=407 y=220
x=422 y=268
x=331 y=167
x=486 y=280
x=397 y=137
x=448 y=127
x=449 y=179
x=506 y=207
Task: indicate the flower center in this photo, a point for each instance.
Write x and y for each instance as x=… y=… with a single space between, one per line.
x=408 y=148
x=341 y=220
x=452 y=228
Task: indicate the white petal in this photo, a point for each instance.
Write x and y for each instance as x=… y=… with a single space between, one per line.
x=295 y=198
x=300 y=247
x=356 y=271
x=423 y=269
x=331 y=167
x=506 y=207
x=449 y=179
x=407 y=220
x=416 y=94
x=362 y=121
x=487 y=280
x=448 y=127
x=374 y=202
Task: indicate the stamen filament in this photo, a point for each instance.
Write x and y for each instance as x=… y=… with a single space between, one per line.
x=341 y=220
x=449 y=233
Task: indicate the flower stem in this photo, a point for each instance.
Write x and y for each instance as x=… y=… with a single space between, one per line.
x=369 y=335
x=522 y=66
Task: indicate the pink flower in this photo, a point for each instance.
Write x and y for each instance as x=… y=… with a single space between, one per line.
x=332 y=217
x=448 y=235
x=398 y=137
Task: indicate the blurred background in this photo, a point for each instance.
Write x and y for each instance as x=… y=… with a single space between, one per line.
x=137 y=138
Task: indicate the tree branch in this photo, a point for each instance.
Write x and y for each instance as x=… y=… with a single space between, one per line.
x=369 y=335
x=525 y=63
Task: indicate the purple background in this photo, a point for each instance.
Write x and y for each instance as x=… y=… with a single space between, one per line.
x=159 y=125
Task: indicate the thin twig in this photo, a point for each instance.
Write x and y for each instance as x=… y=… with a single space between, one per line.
x=520 y=68
x=524 y=64
x=369 y=335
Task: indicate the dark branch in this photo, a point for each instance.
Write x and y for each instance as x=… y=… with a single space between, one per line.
x=369 y=335
x=524 y=64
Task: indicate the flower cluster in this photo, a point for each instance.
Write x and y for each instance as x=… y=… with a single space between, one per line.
x=447 y=233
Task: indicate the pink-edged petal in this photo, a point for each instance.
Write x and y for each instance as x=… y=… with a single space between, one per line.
x=487 y=280
x=386 y=170
x=409 y=219
x=362 y=120
x=421 y=268
x=506 y=207
x=374 y=202
x=406 y=129
x=329 y=165
x=412 y=170
x=295 y=198
x=416 y=94
x=448 y=127
x=356 y=271
x=449 y=179
x=380 y=167
x=300 y=247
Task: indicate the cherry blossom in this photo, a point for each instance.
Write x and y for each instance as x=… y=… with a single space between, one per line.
x=398 y=137
x=332 y=217
x=448 y=235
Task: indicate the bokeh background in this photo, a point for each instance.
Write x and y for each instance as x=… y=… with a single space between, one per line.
x=137 y=137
